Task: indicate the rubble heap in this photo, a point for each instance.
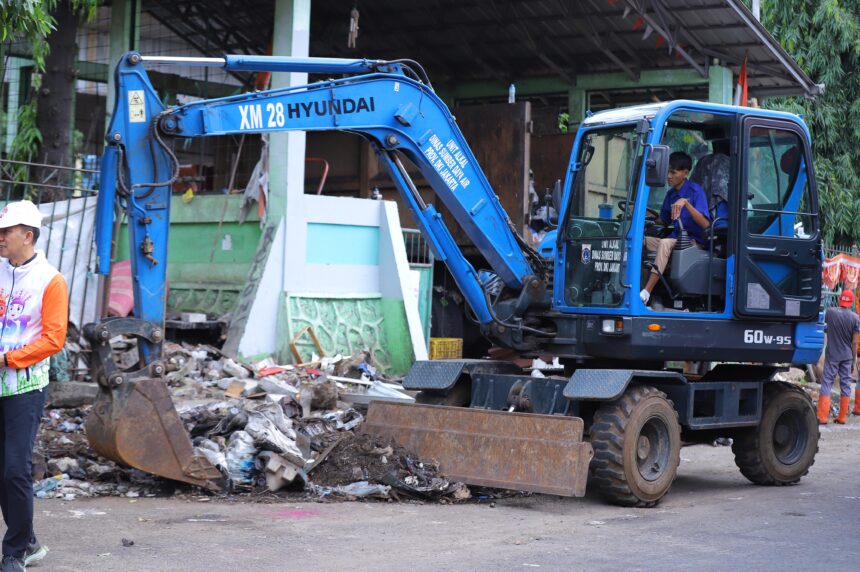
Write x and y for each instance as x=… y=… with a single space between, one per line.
x=266 y=427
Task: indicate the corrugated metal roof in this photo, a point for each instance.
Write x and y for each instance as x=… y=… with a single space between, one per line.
x=504 y=40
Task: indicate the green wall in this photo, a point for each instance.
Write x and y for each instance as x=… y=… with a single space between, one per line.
x=346 y=324
x=202 y=279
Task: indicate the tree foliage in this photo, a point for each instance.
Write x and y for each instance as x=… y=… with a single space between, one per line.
x=32 y=22
x=823 y=36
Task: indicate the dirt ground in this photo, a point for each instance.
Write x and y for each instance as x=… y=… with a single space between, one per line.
x=713 y=519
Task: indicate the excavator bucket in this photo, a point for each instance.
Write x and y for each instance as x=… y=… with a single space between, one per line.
x=520 y=451
x=133 y=421
x=135 y=424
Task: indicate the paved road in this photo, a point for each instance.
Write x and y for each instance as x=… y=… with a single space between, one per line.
x=713 y=519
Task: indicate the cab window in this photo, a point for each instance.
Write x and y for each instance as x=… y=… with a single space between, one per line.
x=778 y=201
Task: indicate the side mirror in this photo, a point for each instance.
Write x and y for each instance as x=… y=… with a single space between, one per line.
x=657 y=166
x=556 y=196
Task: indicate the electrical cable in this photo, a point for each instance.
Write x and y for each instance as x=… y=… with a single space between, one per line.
x=410 y=64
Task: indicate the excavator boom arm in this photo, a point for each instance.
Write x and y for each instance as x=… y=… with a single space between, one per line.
x=399 y=115
x=133 y=420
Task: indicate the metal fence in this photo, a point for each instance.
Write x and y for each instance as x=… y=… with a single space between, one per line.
x=66 y=196
x=418 y=251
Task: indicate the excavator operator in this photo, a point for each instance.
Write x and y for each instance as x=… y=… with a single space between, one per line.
x=685 y=206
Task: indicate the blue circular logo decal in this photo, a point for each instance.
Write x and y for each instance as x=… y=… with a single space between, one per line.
x=586 y=254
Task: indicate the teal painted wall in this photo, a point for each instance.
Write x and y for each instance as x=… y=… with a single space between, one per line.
x=342 y=244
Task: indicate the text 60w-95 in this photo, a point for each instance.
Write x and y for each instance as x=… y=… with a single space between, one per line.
x=759 y=337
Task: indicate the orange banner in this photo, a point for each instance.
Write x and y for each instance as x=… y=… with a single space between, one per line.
x=842 y=268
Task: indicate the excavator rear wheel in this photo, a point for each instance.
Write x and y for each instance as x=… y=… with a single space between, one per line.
x=637 y=447
x=782 y=448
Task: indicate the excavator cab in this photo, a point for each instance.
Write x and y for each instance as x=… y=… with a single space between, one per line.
x=759 y=258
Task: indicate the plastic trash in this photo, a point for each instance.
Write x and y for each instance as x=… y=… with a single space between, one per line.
x=345 y=420
x=272 y=384
x=368 y=370
x=267 y=436
x=389 y=391
x=363 y=489
x=68 y=427
x=275 y=413
x=43 y=487
x=240 y=457
x=234 y=369
x=538 y=363
x=210 y=450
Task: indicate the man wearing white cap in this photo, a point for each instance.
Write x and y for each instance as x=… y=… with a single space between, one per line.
x=34 y=313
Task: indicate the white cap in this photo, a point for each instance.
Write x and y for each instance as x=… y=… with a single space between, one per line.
x=20 y=212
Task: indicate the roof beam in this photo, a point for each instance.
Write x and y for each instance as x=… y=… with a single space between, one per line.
x=675 y=77
x=529 y=42
x=587 y=27
x=790 y=65
x=673 y=43
x=751 y=65
x=460 y=39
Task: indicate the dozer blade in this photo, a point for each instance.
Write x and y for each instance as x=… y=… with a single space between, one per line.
x=135 y=424
x=520 y=451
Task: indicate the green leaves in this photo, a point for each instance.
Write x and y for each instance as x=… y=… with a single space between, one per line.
x=824 y=37
x=31 y=21
x=563 y=122
x=28 y=20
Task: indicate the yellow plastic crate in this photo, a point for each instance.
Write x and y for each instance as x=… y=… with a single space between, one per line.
x=446 y=348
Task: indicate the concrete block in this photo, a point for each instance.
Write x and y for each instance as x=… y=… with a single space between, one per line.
x=71 y=393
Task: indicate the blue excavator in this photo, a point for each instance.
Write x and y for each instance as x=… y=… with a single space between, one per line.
x=700 y=361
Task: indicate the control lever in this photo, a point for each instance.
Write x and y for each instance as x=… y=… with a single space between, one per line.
x=684 y=241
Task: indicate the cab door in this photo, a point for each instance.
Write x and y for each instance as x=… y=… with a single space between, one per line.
x=778 y=272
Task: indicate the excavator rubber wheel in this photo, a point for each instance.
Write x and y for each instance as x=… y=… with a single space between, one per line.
x=637 y=447
x=780 y=450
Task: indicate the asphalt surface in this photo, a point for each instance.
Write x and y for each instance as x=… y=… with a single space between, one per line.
x=712 y=519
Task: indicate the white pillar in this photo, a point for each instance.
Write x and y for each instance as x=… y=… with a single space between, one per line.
x=287 y=150
x=254 y=326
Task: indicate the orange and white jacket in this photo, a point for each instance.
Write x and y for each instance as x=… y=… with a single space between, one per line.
x=34 y=315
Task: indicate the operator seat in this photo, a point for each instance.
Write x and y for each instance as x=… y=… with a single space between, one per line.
x=712 y=174
x=703 y=273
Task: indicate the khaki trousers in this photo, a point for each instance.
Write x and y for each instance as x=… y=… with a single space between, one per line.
x=663 y=247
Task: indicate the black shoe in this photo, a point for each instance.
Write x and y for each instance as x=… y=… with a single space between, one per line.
x=35 y=552
x=12 y=564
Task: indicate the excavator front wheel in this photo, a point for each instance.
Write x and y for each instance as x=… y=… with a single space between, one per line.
x=637 y=447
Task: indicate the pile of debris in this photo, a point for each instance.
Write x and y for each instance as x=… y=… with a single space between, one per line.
x=266 y=427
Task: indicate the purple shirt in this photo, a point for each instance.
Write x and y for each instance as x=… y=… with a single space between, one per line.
x=693 y=193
